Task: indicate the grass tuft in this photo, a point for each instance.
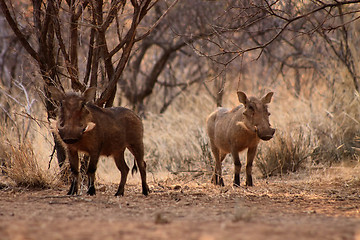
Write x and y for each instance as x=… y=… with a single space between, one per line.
x=287 y=152
x=23 y=168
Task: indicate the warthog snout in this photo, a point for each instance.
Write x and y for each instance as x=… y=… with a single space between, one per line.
x=68 y=136
x=265 y=135
x=73 y=134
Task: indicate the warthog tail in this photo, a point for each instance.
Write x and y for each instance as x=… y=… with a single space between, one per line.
x=134 y=169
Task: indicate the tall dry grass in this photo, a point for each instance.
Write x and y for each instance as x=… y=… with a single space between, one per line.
x=20 y=163
x=176 y=140
x=321 y=130
x=24 y=169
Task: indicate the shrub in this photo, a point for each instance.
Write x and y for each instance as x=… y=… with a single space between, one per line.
x=338 y=132
x=23 y=168
x=286 y=152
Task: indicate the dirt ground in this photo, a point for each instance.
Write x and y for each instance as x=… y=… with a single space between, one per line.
x=324 y=205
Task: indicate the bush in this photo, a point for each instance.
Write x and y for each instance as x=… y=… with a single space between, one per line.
x=338 y=132
x=23 y=168
x=286 y=152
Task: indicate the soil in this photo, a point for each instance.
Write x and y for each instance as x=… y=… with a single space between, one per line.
x=188 y=207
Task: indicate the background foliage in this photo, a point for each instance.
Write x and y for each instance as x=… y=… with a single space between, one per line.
x=173 y=62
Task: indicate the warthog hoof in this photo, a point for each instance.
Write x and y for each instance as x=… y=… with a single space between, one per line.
x=91 y=191
x=73 y=189
x=217 y=180
x=249 y=182
x=145 y=189
x=236 y=180
x=120 y=192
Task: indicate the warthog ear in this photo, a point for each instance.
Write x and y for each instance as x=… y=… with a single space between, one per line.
x=89 y=94
x=242 y=98
x=267 y=99
x=56 y=94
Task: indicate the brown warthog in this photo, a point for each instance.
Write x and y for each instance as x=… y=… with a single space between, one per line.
x=85 y=127
x=232 y=131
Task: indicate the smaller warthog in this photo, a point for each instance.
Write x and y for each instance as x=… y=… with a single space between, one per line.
x=232 y=131
x=85 y=127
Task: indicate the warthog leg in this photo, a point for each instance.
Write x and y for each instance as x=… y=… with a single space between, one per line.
x=91 y=174
x=124 y=169
x=142 y=169
x=237 y=168
x=219 y=157
x=250 y=158
x=74 y=166
x=138 y=151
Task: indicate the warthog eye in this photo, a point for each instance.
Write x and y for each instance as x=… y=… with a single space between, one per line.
x=251 y=108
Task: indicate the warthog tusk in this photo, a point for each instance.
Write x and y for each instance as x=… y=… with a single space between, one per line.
x=53 y=125
x=242 y=124
x=90 y=126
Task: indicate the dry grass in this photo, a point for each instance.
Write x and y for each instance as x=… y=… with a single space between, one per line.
x=287 y=152
x=176 y=140
x=309 y=132
x=20 y=163
x=322 y=130
x=338 y=131
x=23 y=168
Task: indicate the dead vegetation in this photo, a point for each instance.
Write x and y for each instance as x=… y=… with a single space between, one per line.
x=307 y=136
x=22 y=167
x=286 y=153
x=309 y=171
x=316 y=105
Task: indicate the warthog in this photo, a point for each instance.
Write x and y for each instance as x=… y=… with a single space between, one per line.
x=85 y=127
x=232 y=131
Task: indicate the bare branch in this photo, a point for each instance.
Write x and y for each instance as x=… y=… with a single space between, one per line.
x=147 y=33
x=18 y=33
